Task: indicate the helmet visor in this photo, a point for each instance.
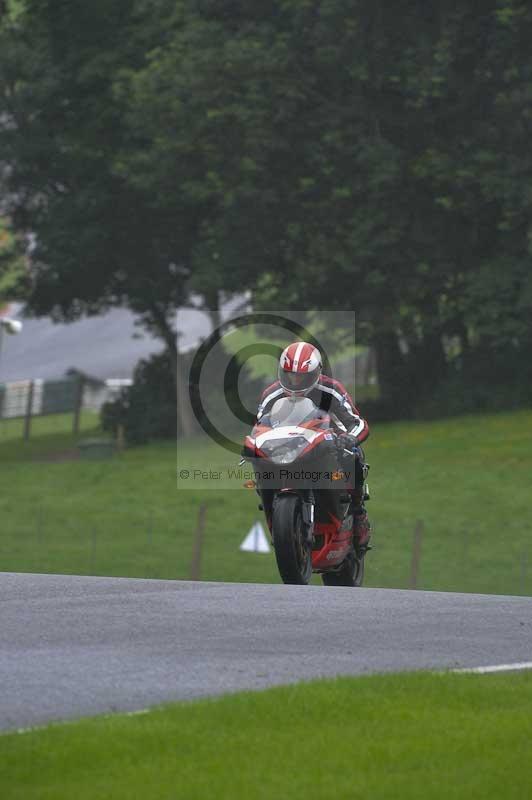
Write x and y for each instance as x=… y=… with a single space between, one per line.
x=298 y=381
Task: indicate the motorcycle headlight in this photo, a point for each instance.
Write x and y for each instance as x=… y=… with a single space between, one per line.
x=284 y=451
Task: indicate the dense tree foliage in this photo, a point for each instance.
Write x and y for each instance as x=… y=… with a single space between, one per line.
x=99 y=241
x=322 y=153
x=13 y=264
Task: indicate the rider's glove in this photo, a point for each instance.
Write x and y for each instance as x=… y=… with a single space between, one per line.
x=247 y=452
x=346 y=441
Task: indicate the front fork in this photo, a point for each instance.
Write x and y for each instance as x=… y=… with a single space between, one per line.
x=307 y=515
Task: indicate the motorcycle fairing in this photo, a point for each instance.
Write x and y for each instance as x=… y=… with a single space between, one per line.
x=332 y=540
x=335 y=542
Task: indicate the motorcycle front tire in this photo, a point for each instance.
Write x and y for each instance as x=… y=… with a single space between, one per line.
x=292 y=551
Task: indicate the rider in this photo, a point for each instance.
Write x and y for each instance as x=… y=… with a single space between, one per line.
x=300 y=374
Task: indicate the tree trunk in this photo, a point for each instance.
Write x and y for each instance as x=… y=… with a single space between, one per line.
x=429 y=364
x=212 y=306
x=390 y=369
x=184 y=411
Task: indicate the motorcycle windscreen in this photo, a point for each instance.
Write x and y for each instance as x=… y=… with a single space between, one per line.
x=294 y=411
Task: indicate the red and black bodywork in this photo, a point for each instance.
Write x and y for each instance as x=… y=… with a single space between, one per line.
x=296 y=460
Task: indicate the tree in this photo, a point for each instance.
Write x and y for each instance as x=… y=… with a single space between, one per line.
x=98 y=242
x=13 y=267
x=292 y=129
x=354 y=154
x=323 y=154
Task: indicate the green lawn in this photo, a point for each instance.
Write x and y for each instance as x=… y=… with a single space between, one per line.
x=467 y=478
x=414 y=736
x=57 y=426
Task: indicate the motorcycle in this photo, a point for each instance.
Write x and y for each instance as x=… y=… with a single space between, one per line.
x=300 y=474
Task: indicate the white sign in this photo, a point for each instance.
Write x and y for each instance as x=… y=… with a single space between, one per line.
x=256 y=541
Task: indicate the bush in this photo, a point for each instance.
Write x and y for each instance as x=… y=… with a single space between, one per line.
x=147 y=408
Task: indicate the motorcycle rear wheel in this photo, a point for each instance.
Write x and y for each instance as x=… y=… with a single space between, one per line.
x=351 y=573
x=292 y=551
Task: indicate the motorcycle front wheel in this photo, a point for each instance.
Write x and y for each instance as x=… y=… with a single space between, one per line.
x=292 y=551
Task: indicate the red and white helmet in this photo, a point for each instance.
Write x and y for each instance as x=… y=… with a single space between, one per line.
x=299 y=368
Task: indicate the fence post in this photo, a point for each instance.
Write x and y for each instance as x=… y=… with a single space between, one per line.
x=149 y=543
x=195 y=564
x=120 y=438
x=39 y=526
x=524 y=564
x=92 y=557
x=416 y=554
x=29 y=409
x=79 y=405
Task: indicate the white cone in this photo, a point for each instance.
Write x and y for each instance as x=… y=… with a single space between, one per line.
x=256 y=541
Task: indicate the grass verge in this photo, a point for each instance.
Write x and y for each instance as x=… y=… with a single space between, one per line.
x=467 y=478
x=426 y=736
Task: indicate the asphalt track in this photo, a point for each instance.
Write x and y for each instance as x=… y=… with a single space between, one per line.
x=73 y=646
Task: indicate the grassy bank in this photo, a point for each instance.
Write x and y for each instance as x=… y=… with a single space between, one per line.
x=423 y=736
x=468 y=479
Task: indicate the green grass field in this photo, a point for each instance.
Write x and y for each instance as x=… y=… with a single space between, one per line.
x=400 y=736
x=415 y=736
x=467 y=478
